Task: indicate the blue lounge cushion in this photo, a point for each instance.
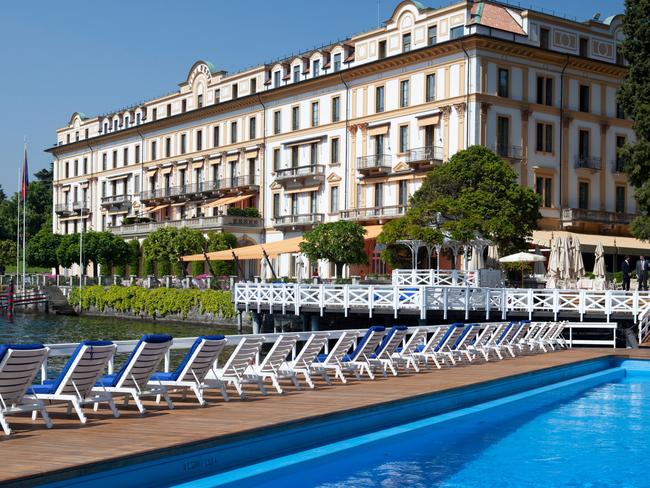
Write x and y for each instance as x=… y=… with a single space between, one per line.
x=73 y=356
x=355 y=353
x=18 y=347
x=506 y=329
x=450 y=330
x=389 y=336
x=174 y=375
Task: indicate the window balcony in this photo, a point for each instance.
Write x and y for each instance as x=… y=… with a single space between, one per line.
x=313 y=174
x=618 y=165
x=587 y=162
x=373 y=213
x=298 y=221
x=572 y=217
x=80 y=207
x=116 y=202
x=63 y=209
x=377 y=164
x=202 y=190
x=227 y=223
x=507 y=151
x=424 y=156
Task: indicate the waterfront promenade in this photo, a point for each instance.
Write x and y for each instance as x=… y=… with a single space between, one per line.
x=70 y=449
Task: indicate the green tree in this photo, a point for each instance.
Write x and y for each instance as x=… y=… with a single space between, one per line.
x=220 y=241
x=634 y=97
x=7 y=253
x=475 y=192
x=134 y=257
x=168 y=245
x=67 y=253
x=339 y=242
x=42 y=249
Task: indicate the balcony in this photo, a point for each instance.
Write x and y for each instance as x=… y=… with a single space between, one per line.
x=587 y=162
x=202 y=190
x=313 y=174
x=377 y=164
x=618 y=165
x=63 y=209
x=296 y=221
x=228 y=223
x=424 y=156
x=80 y=207
x=373 y=213
x=515 y=153
x=573 y=216
x=116 y=202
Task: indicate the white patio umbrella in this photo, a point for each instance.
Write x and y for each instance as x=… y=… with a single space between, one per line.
x=553 y=259
x=578 y=268
x=522 y=257
x=599 y=264
x=564 y=260
x=493 y=256
x=476 y=262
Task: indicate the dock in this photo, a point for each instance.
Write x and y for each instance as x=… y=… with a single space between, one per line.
x=35 y=454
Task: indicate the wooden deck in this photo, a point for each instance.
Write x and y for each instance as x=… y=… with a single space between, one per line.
x=33 y=450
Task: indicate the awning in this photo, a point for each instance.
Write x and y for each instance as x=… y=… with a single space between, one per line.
x=84 y=184
x=118 y=212
x=122 y=176
x=379 y=130
x=302 y=190
x=272 y=249
x=305 y=140
x=156 y=208
x=226 y=201
x=429 y=120
x=179 y=204
x=166 y=171
x=197 y=165
x=152 y=171
x=232 y=157
x=612 y=244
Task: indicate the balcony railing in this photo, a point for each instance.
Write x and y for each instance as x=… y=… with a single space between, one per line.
x=63 y=209
x=508 y=151
x=80 y=207
x=370 y=213
x=588 y=162
x=376 y=163
x=426 y=155
x=204 y=187
x=298 y=220
x=618 y=165
x=116 y=201
x=300 y=171
x=573 y=216
x=218 y=222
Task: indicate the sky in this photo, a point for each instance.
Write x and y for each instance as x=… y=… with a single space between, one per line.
x=96 y=57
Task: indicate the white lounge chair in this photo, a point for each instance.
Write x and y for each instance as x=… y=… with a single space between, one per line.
x=333 y=360
x=430 y=349
x=382 y=358
x=406 y=355
x=238 y=370
x=75 y=384
x=132 y=380
x=442 y=350
x=303 y=362
x=19 y=364
x=192 y=371
x=358 y=360
x=504 y=340
x=272 y=365
x=461 y=347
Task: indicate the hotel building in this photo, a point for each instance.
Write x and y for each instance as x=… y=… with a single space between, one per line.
x=348 y=131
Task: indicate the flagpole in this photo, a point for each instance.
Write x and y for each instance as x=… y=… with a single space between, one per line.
x=25 y=179
x=18 y=235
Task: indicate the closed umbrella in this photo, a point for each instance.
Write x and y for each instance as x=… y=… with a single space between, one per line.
x=522 y=258
x=599 y=264
x=493 y=256
x=564 y=260
x=576 y=258
x=553 y=259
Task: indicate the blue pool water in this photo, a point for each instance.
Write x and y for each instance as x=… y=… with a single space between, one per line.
x=599 y=437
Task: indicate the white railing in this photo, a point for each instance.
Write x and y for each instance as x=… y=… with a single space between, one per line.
x=418 y=299
x=603 y=326
x=432 y=277
x=644 y=326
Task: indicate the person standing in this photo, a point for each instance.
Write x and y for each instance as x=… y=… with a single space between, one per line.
x=642 y=273
x=626 y=273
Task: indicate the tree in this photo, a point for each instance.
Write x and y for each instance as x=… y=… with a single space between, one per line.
x=134 y=257
x=67 y=253
x=220 y=241
x=475 y=192
x=339 y=242
x=7 y=253
x=634 y=97
x=42 y=249
x=168 y=245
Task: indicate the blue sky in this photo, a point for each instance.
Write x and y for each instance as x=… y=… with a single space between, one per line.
x=95 y=57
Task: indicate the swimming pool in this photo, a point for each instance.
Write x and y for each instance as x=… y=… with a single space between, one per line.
x=581 y=425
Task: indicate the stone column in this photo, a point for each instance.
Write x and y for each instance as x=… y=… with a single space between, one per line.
x=446 y=110
x=461 y=111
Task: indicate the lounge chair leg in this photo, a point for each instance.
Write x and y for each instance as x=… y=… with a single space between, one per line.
x=111 y=405
x=240 y=390
x=199 y=395
x=308 y=379
x=96 y=406
x=327 y=378
x=158 y=398
x=276 y=384
x=138 y=403
x=69 y=408
x=5 y=425
x=34 y=415
x=224 y=392
x=79 y=410
x=339 y=373
x=369 y=371
x=295 y=382
x=165 y=395
x=46 y=417
x=262 y=388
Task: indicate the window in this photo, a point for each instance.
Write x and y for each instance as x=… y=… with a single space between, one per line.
x=545 y=91
x=313 y=202
x=85 y=166
x=544 y=188
x=252 y=128
x=183 y=143
x=296 y=73
x=76 y=170
x=584 y=46
x=276 y=79
x=169 y=109
x=67 y=138
x=619 y=165
x=184 y=105
x=403 y=193
x=276 y=159
x=125 y=156
x=583 y=144
x=199 y=140
x=382 y=49
x=217 y=95
x=337 y=62
x=544 y=142
x=334 y=150
x=104 y=189
x=233 y=132
x=584 y=98
x=276 y=122
x=104 y=159
x=379 y=99
x=504 y=82
x=215 y=136
x=336 y=109
x=294 y=156
x=199 y=101
x=235 y=91
x=379 y=195
x=313 y=153
x=137 y=154
x=403 y=138
x=431 y=87
x=544 y=36
x=114 y=160
x=503 y=136
x=314 y=114
x=620 y=113
x=620 y=199
x=136 y=184
x=76 y=136
x=215 y=172
x=379 y=146
x=334 y=199
x=86 y=132
x=253 y=87
x=404 y=93
x=457 y=32
x=295 y=118
x=168 y=147
x=153 y=150
x=154 y=114
x=432 y=35
x=315 y=67
x=583 y=195
x=406 y=43
x=620 y=58
x=276 y=205
x=114 y=126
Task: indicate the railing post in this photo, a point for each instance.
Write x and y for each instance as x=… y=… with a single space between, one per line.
x=371 y=300
x=296 y=298
x=466 y=303
x=432 y=277
x=423 y=302
x=346 y=299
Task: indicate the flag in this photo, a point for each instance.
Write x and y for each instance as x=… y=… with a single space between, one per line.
x=25 y=179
